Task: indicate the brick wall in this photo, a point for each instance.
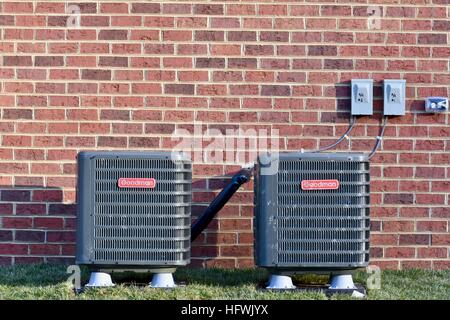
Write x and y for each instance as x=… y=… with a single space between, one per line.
x=135 y=71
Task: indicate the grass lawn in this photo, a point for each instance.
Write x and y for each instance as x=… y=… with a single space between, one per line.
x=50 y=282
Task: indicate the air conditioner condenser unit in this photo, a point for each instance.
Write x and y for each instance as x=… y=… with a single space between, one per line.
x=312 y=215
x=134 y=213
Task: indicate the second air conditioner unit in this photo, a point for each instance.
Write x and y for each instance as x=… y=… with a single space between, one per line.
x=312 y=214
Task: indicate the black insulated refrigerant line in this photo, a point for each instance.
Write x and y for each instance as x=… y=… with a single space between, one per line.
x=222 y=198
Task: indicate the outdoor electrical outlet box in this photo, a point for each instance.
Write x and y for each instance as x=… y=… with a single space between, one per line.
x=394 y=97
x=436 y=104
x=362 y=97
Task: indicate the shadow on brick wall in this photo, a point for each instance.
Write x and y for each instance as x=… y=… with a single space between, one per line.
x=36 y=226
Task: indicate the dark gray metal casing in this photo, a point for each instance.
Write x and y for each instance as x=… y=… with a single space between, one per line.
x=312 y=230
x=133 y=227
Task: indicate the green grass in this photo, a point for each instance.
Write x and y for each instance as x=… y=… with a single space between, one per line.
x=50 y=282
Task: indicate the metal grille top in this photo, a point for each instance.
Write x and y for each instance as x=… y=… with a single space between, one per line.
x=138 y=226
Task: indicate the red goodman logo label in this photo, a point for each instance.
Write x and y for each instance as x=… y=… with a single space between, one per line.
x=320 y=184
x=148 y=183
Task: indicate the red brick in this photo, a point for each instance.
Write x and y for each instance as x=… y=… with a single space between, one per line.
x=430 y=173
x=177 y=35
x=209 y=9
x=443 y=212
x=126 y=21
x=416 y=264
x=60 y=236
x=128 y=101
x=47 y=141
x=430 y=38
x=241 y=36
x=114 y=7
x=82 y=114
x=29 y=236
x=159 y=48
x=236 y=251
x=17 y=61
x=398 y=172
x=398 y=226
x=17 y=114
x=242 y=63
x=441 y=264
x=434 y=226
x=259 y=76
x=205 y=251
x=139 y=62
x=58 y=154
x=177 y=8
x=414 y=239
x=159 y=128
x=161 y=102
x=127 y=128
x=16 y=223
x=185 y=89
x=45 y=168
x=143 y=142
x=81 y=61
x=211 y=90
x=86 y=7
x=15 y=195
x=14 y=249
x=440 y=239
x=77 y=141
x=227 y=103
x=113 y=35
x=191 y=22
x=244 y=89
x=225 y=50
x=146 y=115
x=91 y=74
x=123 y=48
x=96 y=101
x=62 y=209
x=128 y=75
x=432 y=252
x=112 y=62
x=234 y=224
x=399 y=199
x=384 y=239
x=414 y=186
x=399 y=252
x=178 y=116
x=45 y=249
x=17 y=141
x=177 y=62
x=148 y=35
x=94 y=128
x=29 y=154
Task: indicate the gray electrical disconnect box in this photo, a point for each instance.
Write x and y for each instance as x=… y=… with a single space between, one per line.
x=362 y=97
x=394 y=92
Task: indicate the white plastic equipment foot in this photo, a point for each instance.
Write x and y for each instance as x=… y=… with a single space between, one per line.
x=280 y=282
x=162 y=280
x=100 y=279
x=342 y=281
